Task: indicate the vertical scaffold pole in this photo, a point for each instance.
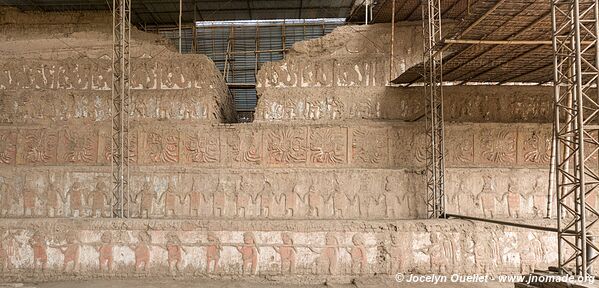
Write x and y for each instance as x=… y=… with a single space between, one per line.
x=433 y=91
x=576 y=69
x=121 y=34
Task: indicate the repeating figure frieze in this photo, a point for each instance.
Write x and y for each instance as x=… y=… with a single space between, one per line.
x=520 y=194
x=255 y=145
x=462 y=104
x=323 y=73
x=307 y=104
x=96 y=74
x=25 y=106
x=221 y=194
x=80 y=251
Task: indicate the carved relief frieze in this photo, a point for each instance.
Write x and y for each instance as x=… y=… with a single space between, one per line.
x=295 y=146
x=201 y=146
x=162 y=147
x=242 y=146
x=164 y=249
x=369 y=146
x=496 y=145
x=39 y=146
x=8 y=146
x=79 y=147
x=328 y=145
x=459 y=149
x=286 y=145
x=535 y=146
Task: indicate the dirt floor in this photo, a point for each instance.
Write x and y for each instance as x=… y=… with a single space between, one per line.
x=209 y=283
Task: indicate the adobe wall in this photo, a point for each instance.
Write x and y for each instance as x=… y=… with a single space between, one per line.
x=59 y=69
x=316 y=251
x=330 y=193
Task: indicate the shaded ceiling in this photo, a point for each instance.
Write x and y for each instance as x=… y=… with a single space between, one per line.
x=529 y=59
x=166 y=12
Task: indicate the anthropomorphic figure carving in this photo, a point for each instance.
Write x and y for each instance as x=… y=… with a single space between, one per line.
x=513 y=196
x=364 y=199
x=531 y=253
x=213 y=252
x=219 y=200
x=458 y=198
x=249 y=253
x=314 y=201
x=358 y=254
x=390 y=198
x=29 y=199
x=170 y=198
x=105 y=252
x=539 y=198
x=485 y=253
x=142 y=251
x=486 y=198
x=53 y=197
x=400 y=255
x=70 y=251
x=340 y=201
x=413 y=199
x=196 y=200
x=145 y=197
x=287 y=253
x=98 y=199
x=7 y=198
x=76 y=195
x=174 y=249
x=8 y=249
x=40 y=253
x=467 y=247
x=291 y=199
x=439 y=254
x=242 y=198
x=328 y=254
x=267 y=199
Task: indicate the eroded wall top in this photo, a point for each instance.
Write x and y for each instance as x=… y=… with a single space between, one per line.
x=57 y=67
x=343 y=76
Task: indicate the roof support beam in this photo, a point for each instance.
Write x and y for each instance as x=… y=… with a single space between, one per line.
x=474 y=24
x=480 y=55
x=513 y=59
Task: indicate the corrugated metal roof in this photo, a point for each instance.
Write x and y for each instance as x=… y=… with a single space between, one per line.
x=501 y=21
x=166 y=12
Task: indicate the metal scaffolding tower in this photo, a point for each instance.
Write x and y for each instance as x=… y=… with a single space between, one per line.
x=433 y=91
x=121 y=34
x=576 y=70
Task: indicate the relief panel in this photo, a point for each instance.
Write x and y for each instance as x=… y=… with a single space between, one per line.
x=496 y=146
x=370 y=147
x=328 y=145
x=286 y=145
